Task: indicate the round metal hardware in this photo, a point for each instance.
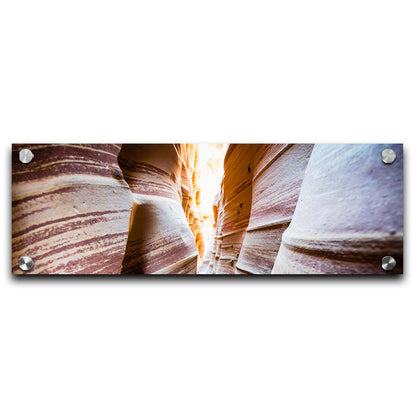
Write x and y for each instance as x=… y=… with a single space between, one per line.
x=26 y=156
x=388 y=263
x=388 y=156
x=26 y=263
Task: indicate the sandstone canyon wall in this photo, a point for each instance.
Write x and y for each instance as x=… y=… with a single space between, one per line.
x=70 y=209
x=164 y=226
x=349 y=214
x=256 y=203
x=106 y=209
x=307 y=209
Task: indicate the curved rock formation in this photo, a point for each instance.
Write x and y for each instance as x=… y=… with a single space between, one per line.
x=71 y=209
x=190 y=192
x=258 y=196
x=349 y=214
x=160 y=238
x=346 y=205
x=277 y=177
x=233 y=207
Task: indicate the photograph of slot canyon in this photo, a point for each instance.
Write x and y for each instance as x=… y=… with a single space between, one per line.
x=207 y=209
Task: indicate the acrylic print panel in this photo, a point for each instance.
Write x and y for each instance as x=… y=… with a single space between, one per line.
x=219 y=209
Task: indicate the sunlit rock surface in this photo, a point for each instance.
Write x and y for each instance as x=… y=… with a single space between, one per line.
x=233 y=209
x=210 y=257
x=349 y=214
x=258 y=196
x=164 y=227
x=211 y=158
x=190 y=192
x=70 y=209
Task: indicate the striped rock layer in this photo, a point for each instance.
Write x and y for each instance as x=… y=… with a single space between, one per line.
x=77 y=211
x=349 y=214
x=70 y=209
x=278 y=171
x=307 y=209
x=234 y=206
x=190 y=192
x=258 y=196
x=164 y=214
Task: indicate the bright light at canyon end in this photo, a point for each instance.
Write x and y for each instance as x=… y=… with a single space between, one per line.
x=211 y=159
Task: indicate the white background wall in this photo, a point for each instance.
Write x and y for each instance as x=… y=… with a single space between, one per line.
x=209 y=71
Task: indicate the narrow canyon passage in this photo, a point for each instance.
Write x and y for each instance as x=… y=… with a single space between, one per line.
x=173 y=186
x=206 y=208
x=211 y=209
x=238 y=202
